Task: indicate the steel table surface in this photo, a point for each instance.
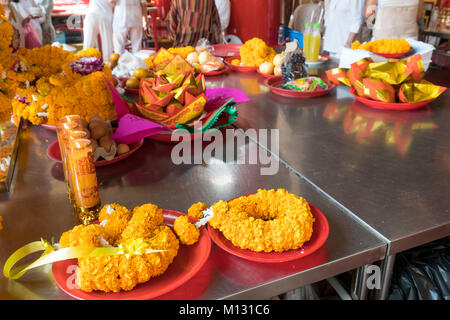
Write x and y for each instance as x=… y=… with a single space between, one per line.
x=389 y=169
x=38 y=207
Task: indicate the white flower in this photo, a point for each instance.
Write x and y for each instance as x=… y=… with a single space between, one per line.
x=42 y=114
x=103 y=223
x=207 y=214
x=44 y=106
x=109 y=209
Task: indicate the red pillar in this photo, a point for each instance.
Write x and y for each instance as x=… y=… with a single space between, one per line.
x=255 y=18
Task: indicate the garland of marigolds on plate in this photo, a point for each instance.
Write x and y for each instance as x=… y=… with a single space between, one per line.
x=126 y=248
x=267 y=221
x=44 y=84
x=129 y=247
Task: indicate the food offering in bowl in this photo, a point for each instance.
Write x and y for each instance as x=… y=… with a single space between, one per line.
x=253 y=53
x=200 y=58
x=129 y=69
x=207 y=64
x=270 y=69
x=132 y=83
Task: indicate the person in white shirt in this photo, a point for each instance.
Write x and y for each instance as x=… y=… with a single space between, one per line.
x=394 y=18
x=128 y=22
x=224 y=10
x=31 y=16
x=343 y=21
x=99 y=21
x=48 y=31
x=15 y=19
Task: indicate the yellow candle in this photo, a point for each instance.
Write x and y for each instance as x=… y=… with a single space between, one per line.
x=71 y=136
x=83 y=178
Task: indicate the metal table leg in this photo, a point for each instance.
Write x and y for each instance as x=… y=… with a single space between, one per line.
x=359 y=284
x=387 y=269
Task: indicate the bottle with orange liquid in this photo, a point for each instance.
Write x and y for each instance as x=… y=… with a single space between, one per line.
x=315 y=43
x=307 y=40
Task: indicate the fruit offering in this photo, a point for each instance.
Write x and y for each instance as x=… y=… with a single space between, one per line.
x=306 y=84
x=253 y=53
x=100 y=133
x=384 y=46
x=138 y=74
x=272 y=67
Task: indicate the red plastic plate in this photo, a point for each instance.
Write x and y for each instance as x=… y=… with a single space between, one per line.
x=272 y=83
x=132 y=91
x=226 y=50
x=320 y=235
x=389 y=105
x=265 y=75
x=393 y=55
x=216 y=72
x=187 y=264
x=54 y=153
x=238 y=68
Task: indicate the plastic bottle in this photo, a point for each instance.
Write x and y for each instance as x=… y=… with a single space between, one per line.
x=315 y=43
x=307 y=40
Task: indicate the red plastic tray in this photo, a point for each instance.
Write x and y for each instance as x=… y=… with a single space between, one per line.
x=226 y=50
x=272 y=83
x=238 y=68
x=321 y=230
x=389 y=105
x=393 y=55
x=187 y=264
x=54 y=153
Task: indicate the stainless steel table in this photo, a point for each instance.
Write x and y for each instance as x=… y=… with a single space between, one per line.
x=390 y=170
x=38 y=207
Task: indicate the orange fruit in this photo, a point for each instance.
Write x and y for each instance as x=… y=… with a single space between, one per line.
x=141 y=73
x=132 y=83
x=115 y=56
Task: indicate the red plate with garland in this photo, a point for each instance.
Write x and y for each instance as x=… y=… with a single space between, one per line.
x=320 y=235
x=393 y=55
x=274 y=82
x=398 y=106
x=186 y=265
x=54 y=153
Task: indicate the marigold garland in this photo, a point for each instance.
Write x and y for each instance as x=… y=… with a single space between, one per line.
x=266 y=221
x=41 y=87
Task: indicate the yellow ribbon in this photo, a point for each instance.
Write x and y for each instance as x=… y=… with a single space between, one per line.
x=50 y=254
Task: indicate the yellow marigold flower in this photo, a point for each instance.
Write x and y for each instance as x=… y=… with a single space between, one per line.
x=186 y=231
x=255 y=51
x=196 y=209
x=90 y=52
